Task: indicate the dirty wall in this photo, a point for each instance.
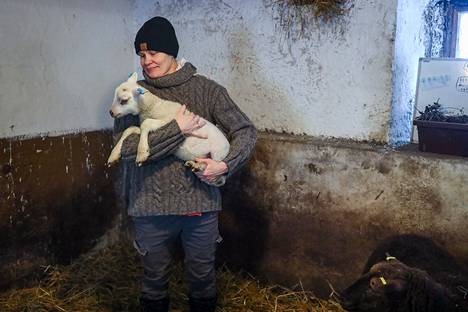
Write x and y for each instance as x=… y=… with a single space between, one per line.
x=410 y=44
x=311 y=210
x=59 y=63
x=57 y=201
x=287 y=72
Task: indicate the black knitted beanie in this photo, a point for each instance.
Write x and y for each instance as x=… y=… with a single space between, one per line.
x=157 y=34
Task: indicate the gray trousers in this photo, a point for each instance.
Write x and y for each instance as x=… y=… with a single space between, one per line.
x=155 y=237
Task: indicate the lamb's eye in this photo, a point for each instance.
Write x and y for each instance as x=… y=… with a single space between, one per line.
x=376 y=283
x=124 y=90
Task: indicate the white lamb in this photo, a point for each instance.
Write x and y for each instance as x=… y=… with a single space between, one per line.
x=154 y=112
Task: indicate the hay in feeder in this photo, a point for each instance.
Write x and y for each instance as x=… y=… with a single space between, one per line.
x=109 y=281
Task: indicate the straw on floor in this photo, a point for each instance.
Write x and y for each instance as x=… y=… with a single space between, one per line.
x=108 y=280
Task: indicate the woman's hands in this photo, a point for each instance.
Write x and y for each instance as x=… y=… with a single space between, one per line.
x=213 y=169
x=189 y=122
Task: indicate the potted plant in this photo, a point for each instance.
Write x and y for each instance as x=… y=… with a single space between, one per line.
x=442 y=130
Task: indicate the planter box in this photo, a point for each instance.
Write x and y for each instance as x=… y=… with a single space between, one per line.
x=442 y=137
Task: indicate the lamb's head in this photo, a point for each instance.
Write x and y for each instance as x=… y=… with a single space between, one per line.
x=382 y=289
x=393 y=286
x=126 y=98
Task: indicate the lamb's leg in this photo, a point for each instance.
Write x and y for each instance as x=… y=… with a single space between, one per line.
x=215 y=154
x=197 y=167
x=218 y=155
x=219 y=181
x=115 y=154
x=146 y=126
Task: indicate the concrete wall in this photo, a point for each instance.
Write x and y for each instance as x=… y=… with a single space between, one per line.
x=57 y=200
x=60 y=62
x=330 y=80
x=410 y=42
x=312 y=210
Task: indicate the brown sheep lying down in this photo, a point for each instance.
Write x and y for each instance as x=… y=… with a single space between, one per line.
x=419 y=276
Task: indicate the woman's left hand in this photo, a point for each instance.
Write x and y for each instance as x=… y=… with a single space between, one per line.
x=213 y=169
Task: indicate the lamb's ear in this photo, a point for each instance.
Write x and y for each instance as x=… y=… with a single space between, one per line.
x=397 y=285
x=133 y=77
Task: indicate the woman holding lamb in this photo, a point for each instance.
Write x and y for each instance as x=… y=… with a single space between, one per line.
x=166 y=200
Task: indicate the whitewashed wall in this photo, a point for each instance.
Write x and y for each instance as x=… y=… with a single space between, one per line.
x=333 y=81
x=60 y=60
x=409 y=47
x=59 y=63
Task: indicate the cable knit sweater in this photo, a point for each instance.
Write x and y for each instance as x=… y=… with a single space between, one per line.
x=163 y=185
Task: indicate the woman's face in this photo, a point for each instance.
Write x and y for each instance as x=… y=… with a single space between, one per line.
x=157 y=64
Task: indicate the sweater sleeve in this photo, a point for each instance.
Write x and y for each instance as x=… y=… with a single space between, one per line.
x=163 y=141
x=240 y=131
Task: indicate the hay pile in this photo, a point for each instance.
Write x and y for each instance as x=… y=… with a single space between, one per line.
x=108 y=281
x=300 y=19
x=322 y=8
x=325 y=10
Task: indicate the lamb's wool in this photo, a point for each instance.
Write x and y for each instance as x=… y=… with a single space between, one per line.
x=154 y=113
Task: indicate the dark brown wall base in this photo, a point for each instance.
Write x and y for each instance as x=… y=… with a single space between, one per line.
x=303 y=210
x=310 y=211
x=57 y=198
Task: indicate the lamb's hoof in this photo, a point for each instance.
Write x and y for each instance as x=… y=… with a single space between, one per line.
x=141 y=158
x=195 y=166
x=219 y=181
x=191 y=165
x=112 y=161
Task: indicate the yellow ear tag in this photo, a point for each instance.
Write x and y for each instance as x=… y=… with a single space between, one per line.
x=390 y=258
x=384 y=282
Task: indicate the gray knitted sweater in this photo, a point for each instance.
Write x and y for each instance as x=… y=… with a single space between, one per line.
x=163 y=185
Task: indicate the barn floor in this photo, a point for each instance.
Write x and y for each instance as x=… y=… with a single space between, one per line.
x=108 y=281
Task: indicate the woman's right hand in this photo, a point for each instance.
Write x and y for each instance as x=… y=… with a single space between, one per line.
x=188 y=122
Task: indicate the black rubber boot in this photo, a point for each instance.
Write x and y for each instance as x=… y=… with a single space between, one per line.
x=203 y=304
x=148 y=305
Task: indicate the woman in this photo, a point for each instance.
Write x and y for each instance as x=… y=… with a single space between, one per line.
x=167 y=200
